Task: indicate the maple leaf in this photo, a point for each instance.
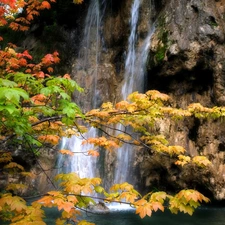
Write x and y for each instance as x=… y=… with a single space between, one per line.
x=45 y=5
x=46 y=201
x=93 y=153
x=52 y=139
x=40 y=74
x=122 y=105
x=15 y=187
x=13 y=165
x=39 y=99
x=201 y=161
x=72 y=198
x=143 y=209
x=182 y=160
x=50 y=69
x=5 y=157
x=67 y=206
x=124 y=137
x=66 y=152
x=28 y=174
x=55 y=193
x=67 y=76
x=18 y=205
x=159 y=196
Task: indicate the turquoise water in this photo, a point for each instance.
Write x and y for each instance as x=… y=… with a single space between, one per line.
x=203 y=216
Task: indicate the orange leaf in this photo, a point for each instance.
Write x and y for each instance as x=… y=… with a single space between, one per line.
x=50 y=69
x=67 y=206
x=52 y=139
x=93 y=153
x=39 y=99
x=67 y=76
x=78 y=1
x=144 y=210
x=66 y=152
x=45 y=5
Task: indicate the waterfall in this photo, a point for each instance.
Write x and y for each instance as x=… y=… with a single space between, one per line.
x=87 y=62
x=87 y=68
x=135 y=69
x=131 y=55
x=81 y=163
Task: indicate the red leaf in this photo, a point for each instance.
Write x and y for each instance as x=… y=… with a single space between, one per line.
x=45 y=5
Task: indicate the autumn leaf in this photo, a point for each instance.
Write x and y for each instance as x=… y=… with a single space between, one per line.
x=66 y=152
x=93 y=153
x=14 y=165
x=67 y=76
x=50 y=69
x=45 y=5
x=52 y=139
x=143 y=208
x=39 y=99
x=78 y=1
x=182 y=160
x=201 y=161
x=84 y=222
x=72 y=198
x=16 y=187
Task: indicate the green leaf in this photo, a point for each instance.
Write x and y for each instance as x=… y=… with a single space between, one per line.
x=7 y=83
x=13 y=95
x=99 y=189
x=65 y=95
x=10 y=108
x=51 y=90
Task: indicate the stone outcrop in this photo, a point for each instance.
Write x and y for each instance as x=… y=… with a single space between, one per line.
x=186 y=61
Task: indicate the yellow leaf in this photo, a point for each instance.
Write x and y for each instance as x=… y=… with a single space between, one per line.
x=84 y=222
x=13 y=165
x=66 y=152
x=201 y=161
x=107 y=106
x=55 y=193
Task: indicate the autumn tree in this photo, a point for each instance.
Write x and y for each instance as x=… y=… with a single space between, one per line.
x=36 y=111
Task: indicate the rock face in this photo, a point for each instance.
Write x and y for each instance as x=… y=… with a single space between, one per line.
x=186 y=61
x=99 y=208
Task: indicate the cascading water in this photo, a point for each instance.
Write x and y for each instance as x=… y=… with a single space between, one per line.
x=81 y=163
x=135 y=69
x=87 y=65
x=131 y=55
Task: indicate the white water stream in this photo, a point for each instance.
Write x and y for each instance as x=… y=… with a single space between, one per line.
x=134 y=77
x=135 y=69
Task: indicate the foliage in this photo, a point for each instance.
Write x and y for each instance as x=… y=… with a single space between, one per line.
x=36 y=111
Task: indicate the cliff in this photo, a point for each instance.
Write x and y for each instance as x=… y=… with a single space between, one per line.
x=186 y=61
